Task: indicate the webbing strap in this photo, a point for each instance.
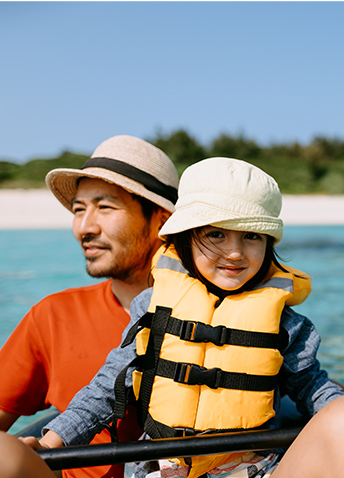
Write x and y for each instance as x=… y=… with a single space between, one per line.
x=192 y=374
x=123 y=394
x=151 y=359
x=200 y=332
x=145 y=321
x=221 y=335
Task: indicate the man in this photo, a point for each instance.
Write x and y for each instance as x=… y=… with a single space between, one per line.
x=120 y=199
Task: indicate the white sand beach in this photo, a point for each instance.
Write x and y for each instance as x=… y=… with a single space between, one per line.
x=32 y=209
x=39 y=209
x=313 y=210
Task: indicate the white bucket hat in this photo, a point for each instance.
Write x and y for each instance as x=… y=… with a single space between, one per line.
x=129 y=162
x=227 y=193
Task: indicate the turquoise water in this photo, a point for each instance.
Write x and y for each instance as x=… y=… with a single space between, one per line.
x=35 y=263
x=319 y=251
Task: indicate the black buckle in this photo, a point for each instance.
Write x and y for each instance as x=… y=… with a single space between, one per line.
x=192 y=374
x=181 y=372
x=199 y=332
x=187 y=330
x=207 y=333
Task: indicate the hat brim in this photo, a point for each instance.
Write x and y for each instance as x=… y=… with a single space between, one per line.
x=63 y=184
x=198 y=215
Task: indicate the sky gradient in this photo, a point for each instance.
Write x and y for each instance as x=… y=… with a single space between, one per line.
x=75 y=73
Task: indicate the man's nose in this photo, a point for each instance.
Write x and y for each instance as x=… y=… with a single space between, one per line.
x=89 y=223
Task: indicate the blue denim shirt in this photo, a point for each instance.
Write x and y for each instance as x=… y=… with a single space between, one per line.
x=92 y=407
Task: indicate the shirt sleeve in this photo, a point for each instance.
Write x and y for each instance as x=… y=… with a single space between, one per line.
x=92 y=407
x=304 y=381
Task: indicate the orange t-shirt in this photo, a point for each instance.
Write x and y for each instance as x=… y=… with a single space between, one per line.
x=56 y=350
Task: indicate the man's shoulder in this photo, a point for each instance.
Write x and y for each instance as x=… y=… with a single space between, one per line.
x=77 y=293
x=77 y=305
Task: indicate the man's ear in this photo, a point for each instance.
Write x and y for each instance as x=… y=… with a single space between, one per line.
x=163 y=216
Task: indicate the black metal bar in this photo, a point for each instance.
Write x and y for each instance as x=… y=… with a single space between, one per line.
x=144 y=450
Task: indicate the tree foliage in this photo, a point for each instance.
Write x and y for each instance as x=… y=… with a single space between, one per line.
x=181 y=148
x=317 y=167
x=32 y=174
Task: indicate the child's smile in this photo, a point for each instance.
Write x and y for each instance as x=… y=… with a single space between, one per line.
x=228 y=259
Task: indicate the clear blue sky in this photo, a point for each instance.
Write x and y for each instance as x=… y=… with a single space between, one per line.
x=75 y=73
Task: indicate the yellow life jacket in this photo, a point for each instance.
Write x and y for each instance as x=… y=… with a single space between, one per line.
x=206 y=367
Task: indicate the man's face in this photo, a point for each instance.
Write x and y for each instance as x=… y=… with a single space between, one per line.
x=117 y=240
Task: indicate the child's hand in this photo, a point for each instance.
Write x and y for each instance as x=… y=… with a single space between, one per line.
x=32 y=442
x=49 y=440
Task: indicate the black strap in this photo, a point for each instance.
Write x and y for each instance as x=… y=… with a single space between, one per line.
x=146 y=362
x=145 y=321
x=159 y=430
x=147 y=180
x=192 y=374
x=150 y=364
x=151 y=358
x=221 y=335
x=123 y=394
x=200 y=332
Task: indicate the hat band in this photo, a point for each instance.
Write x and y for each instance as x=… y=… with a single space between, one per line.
x=150 y=182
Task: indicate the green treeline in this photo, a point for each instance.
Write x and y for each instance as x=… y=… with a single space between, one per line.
x=315 y=168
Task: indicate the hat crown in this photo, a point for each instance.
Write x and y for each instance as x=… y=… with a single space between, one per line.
x=227 y=193
x=230 y=184
x=141 y=155
x=128 y=162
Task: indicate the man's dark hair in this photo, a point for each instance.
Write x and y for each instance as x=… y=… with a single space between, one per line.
x=148 y=207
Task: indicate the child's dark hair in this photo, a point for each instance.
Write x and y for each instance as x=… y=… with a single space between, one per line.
x=182 y=242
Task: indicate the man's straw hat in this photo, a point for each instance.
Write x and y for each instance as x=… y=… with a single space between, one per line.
x=227 y=193
x=129 y=162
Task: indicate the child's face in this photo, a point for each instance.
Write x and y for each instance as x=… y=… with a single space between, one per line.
x=228 y=259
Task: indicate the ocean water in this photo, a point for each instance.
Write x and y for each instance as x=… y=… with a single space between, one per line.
x=319 y=251
x=35 y=263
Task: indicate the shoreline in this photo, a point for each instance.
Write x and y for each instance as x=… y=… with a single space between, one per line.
x=39 y=209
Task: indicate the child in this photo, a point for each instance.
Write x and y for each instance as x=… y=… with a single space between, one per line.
x=215 y=340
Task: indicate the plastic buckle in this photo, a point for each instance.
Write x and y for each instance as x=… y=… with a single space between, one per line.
x=187 y=330
x=192 y=374
x=203 y=376
x=207 y=333
x=181 y=372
